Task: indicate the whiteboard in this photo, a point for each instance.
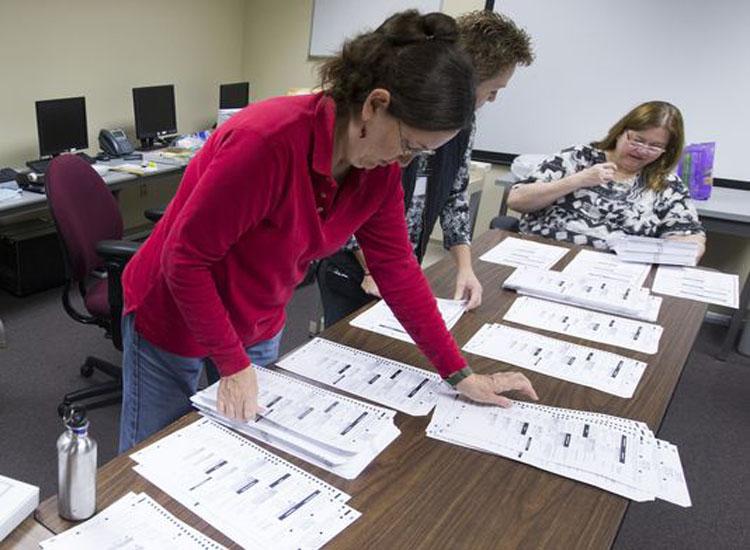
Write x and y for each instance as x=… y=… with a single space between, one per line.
x=596 y=59
x=333 y=21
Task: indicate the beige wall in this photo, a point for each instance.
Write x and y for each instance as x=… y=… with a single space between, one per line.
x=277 y=43
x=102 y=49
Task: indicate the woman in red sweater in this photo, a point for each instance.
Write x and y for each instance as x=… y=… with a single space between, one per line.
x=282 y=183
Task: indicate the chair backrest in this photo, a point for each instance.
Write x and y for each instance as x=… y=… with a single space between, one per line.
x=84 y=210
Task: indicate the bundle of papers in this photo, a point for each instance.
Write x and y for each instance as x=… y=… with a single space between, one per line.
x=254 y=497
x=584 y=323
x=601 y=370
x=134 y=521
x=17 y=502
x=713 y=287
x=135 y=169
x=522 y=253
x=651 y=250
x=337 y=433
x=390 y=383
x=603 y=265
x=585 y=291
x=9 y=194
x=380 y=319
x=615 y=454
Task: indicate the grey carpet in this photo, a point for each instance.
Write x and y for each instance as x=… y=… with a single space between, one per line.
x=709 y=419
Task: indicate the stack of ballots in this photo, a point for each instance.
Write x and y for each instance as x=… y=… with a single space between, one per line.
x=652 y=250
x=615 y=454
x=586 y=291
x=337 y=433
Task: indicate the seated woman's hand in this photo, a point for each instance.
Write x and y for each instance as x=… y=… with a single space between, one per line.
x=486 y=388
x=597 y=174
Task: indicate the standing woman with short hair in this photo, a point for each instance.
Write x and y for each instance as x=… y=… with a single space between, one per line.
x=280 y=184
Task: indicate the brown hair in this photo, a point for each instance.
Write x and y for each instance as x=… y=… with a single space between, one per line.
x=652 y=114
x=416 y=58
x=494 y=43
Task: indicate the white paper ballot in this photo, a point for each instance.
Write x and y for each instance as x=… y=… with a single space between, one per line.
x=588 y=263
x=338 y=433
x=701 y=285
x=522 y=253
x=615 y=454
x=134 y=522
x=17 y=501
x=653 y=250
x=380 y=319
x=594 y=368
x=584 y=323
x=390 y=383
x=586 y=291
x=254 y=497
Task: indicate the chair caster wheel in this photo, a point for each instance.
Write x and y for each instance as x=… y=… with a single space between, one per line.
x=87 y=370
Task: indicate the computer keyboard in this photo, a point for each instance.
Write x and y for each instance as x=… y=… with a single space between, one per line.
x=40 y=166
x=7 y=174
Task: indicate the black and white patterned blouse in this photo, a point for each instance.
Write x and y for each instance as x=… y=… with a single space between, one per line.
x=454 y=217
x=591 y=215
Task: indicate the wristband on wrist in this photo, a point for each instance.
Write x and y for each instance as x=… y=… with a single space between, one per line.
x=366 y=273
x=459 y=375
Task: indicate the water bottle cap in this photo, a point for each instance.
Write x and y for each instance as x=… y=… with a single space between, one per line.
x=74 y=416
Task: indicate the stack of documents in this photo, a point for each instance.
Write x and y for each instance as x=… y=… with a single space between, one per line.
x=251 y=495
x=337 y=433
x=9 y=194
x=134 y=521
x=522 y=253
x=380 y=319
x=390 y=383
x=712 y=287
x=584 y=323
x=17 y=502
x=651 y=250
x=586 y=291
x=603 y=265
x=601 y=370
x=136 y=169
x=615 y=454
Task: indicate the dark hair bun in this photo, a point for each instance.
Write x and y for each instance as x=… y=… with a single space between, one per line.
x=409 y=27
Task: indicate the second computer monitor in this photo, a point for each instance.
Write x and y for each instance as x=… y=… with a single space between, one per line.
x=234 y=96
x=154 y=113
x=61 y=125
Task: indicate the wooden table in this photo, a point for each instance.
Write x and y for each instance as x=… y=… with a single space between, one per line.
x=423 y=493
x=26 y=536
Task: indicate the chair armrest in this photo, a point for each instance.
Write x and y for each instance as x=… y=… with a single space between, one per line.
x=116 y=250
x=154 y=214
x=508 y=223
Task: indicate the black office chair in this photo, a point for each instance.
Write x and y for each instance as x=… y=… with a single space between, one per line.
x=503 y=220
x=90 y=226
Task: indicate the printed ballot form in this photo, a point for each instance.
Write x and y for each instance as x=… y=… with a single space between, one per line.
x=253 y=496
x=381 y=320
x=616 y=454
x=586 y=324
x=588 y=263
x=712 y=287
x=397 y=385
x=338 y=433
x=594 y=368
x=522 y=253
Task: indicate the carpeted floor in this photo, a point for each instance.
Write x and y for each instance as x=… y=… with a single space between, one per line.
x=709 y=419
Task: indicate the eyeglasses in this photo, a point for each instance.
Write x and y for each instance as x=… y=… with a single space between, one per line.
x=409 y=151
x=638 y=142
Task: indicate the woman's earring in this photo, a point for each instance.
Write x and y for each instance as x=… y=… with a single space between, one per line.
x=362 y=132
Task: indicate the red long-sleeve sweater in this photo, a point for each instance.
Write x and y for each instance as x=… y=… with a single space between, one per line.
x=254 y=207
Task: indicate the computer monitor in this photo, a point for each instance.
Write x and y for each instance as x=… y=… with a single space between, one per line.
x=234 y=96
x=154 y=113
x=61 y=125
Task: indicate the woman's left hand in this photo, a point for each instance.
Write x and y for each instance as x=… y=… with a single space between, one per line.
x=468 y=284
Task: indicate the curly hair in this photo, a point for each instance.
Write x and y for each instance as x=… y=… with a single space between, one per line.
x=494 y=43
x=652 y=114
x=417 y=59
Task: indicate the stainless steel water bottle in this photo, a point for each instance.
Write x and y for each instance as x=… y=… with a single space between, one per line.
x=76 y=467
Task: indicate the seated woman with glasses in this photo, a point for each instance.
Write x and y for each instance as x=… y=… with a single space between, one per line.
x=621 y=185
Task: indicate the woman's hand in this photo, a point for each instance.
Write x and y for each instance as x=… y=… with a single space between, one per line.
x=238 y=395
x=597 y=174
x=369 y=286
x=486 y=388
x=468 y=284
